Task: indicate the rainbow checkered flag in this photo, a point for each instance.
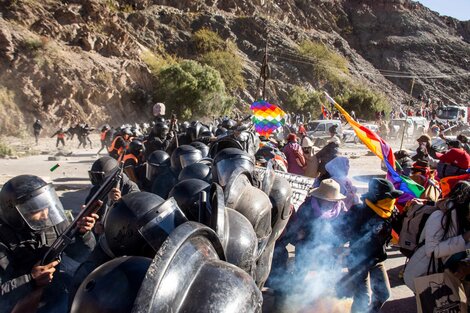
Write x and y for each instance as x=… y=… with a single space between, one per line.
x=267 y=117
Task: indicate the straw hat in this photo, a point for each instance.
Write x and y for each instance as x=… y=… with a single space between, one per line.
x=329 y=190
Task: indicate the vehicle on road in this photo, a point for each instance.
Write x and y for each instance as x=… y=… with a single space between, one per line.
x=453 y=113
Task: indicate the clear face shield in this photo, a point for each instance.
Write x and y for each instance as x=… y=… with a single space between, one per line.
x=42 y=208
x=153 y=170
x=190 y=158
x=225 y=168
x=96 y=178
x=160 y=222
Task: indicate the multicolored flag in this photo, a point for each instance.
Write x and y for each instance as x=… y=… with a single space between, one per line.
x=383 y=150
x=267 y=117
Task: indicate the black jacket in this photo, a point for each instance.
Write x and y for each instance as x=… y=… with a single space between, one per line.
x=20 y=251
x=368 y=234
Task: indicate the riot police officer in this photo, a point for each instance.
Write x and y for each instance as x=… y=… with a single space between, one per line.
x=31 y=218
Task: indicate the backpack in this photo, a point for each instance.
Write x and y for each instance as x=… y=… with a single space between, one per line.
x=413 y=224
x=446 y=170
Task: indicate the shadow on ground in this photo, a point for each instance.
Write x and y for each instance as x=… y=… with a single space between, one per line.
x=404 y=305
x=73 y=200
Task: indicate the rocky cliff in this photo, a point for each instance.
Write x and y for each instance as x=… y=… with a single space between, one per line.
x=71 y=60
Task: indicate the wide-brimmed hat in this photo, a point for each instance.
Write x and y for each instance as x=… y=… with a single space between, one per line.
x=424 y=138
x=328 y=190
x=380 y=188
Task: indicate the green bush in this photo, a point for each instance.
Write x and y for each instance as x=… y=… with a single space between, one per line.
x=192 y=90
x=157 y=61
x=5 y=150
x=365 y=102
x=229 y=65
x=221 y=55
x=300 y=100
x=206 y=41
x=327 y=64
x=11 y=118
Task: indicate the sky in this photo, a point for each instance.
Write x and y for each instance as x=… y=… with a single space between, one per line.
x=460 y=9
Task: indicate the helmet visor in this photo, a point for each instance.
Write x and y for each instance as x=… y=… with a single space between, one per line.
x=225 y=168
x=96 y=178
x=153 y=170
x=159 y=223
x=42 y=208
x=190 y=158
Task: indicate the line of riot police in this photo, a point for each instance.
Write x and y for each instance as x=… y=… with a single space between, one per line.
x=199 y=237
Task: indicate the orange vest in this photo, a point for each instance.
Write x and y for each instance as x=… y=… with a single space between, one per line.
x=131 y=157
x=61 y=135
x=112 y=148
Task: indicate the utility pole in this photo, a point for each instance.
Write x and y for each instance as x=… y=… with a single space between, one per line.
x=405 y=126
x=265 y=71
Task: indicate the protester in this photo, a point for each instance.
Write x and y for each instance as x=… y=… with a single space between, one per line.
x=295 y=155
x=104 y=138
x=446 y=233
x=404 y=160
x=453 y=162
x=311 y=167
x=334 y=135
x=368 y=228
x=338 y=168
x=314 y=230
x=60 y=137
x=325 y=155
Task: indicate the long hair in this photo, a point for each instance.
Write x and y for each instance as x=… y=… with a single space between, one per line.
x=459 y=200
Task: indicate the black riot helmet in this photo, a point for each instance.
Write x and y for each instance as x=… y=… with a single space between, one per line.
x=227 y=161
x=182 y=277
x=221 y=131
x=136 y=147
x=229 y=124
x=194 y=130
x=184 y=126
x=140 y=223
x=112 y=287
x=201 y=147
x=183 y=156
x=28 y=201
x=204 y=132
x=101 y=168
x=126 y=132
x=186 y=194
x=160 y=130
x=157 y=163
x=159 y=119
x=196 y=170
x=121 y=226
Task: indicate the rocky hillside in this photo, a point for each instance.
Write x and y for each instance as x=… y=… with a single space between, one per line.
x=71 y=60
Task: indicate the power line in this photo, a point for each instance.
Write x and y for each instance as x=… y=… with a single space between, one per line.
x=296 y=57
x=286 y=56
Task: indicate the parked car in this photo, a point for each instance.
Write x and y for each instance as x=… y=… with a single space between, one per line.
x=318 y=130
x=415 y=127
x=350 y=136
